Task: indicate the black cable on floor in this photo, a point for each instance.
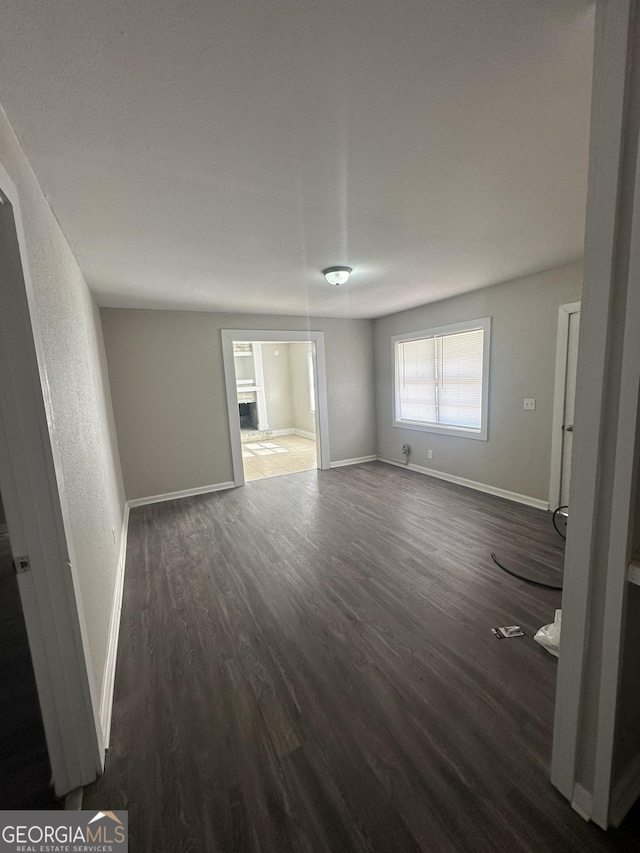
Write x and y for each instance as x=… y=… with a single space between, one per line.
x=556 y=513
x=522 y=577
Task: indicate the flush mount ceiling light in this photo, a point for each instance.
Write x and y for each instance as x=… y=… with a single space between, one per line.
x=337 y=275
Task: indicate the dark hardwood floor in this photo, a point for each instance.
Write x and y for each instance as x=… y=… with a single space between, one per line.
x=306 y=664
x=25 y=773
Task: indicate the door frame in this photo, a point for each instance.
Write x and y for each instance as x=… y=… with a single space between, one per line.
x=560 y=387
x=283 y=336
x=32 y=487
x=606 y=448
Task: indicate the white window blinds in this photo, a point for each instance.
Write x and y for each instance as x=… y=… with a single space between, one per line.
x=417 y=376
x=439 y=379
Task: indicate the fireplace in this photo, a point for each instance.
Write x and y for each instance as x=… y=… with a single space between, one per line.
x=248 y=415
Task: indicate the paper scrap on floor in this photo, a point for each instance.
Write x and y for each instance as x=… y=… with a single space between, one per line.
x=508 y=631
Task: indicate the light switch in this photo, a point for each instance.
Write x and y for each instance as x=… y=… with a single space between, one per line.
x=530 y=403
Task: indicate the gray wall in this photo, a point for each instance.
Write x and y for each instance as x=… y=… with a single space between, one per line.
x=3 y=520
x=169 y=395
x=300 y=391
x=628 y=713
x=524 y=313
x=70 y=340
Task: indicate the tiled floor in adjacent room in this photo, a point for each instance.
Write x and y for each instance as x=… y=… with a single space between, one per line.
x=284 y=454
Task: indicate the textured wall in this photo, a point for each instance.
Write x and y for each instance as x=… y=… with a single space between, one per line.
x=169 y=401
x=524 y=313
x=73 y=351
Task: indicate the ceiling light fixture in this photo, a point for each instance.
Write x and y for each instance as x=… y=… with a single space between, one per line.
x=337 y=275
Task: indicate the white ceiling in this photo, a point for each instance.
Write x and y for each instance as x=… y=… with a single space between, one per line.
x=217 y=154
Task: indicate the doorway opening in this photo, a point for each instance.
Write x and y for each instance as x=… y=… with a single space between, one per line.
x=276 y=396
x=564 y=403
x=276 y=407
x=25 y=770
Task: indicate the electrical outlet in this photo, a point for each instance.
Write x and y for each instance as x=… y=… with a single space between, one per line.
x=529 y=404
x=429 y=454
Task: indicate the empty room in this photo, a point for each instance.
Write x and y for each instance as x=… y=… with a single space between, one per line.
x=319 y=440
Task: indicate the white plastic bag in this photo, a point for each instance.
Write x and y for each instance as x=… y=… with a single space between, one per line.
x=549 y=635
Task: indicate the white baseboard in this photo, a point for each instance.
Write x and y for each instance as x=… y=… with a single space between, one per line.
x=582 y=802
x=186 y=493
x=356 y=461
x=470 y=484
x=293 y=431
x=625 y=793
x=108 y=681
x=305 y=434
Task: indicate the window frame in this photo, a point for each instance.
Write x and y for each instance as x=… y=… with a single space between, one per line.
x=480 y=434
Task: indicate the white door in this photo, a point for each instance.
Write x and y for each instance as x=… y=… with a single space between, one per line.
x=33 y=503
x=569 y=406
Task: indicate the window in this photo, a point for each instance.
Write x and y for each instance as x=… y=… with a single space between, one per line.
x=442 y=379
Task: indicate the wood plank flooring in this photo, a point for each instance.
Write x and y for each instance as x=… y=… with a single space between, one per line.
x=306 y=664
